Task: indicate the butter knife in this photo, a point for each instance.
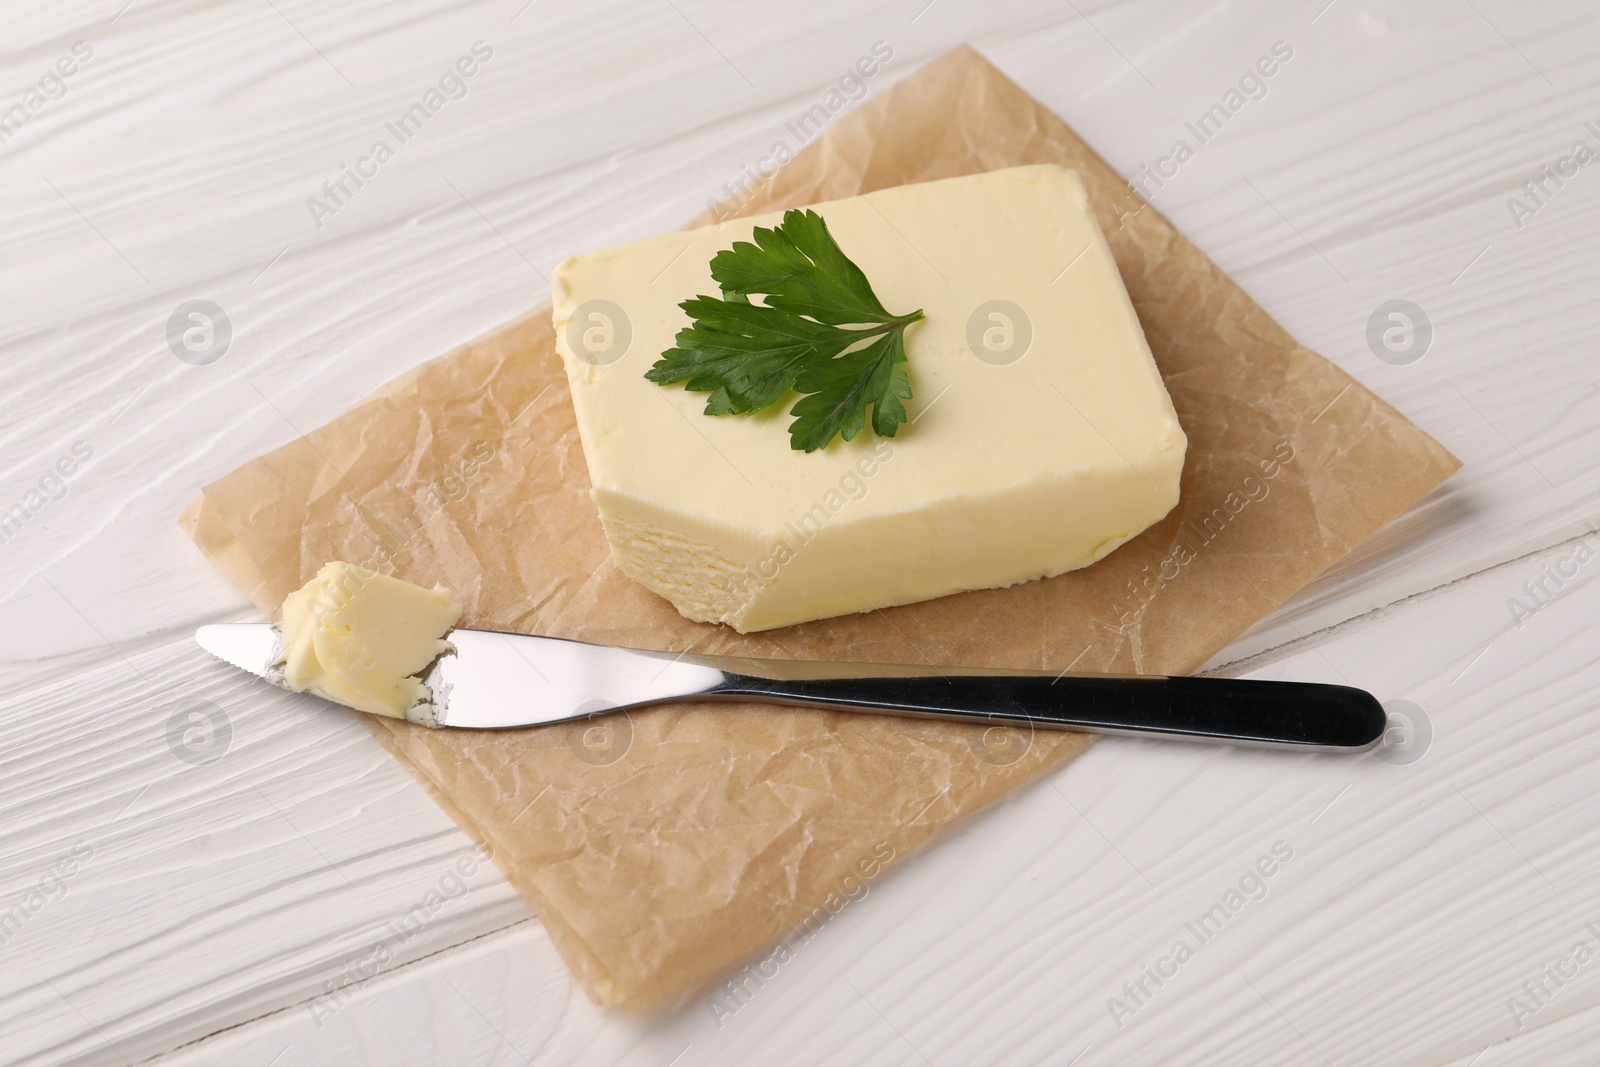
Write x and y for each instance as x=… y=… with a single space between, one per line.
x=496 y=680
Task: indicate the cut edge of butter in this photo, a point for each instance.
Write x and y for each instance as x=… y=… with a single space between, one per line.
x=716 y=572
x=363 y=639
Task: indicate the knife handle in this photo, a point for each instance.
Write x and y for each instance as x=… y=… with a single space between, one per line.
x=1301 y=715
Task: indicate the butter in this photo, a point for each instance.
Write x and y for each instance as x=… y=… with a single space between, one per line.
x=357 y=638
x=1040 y=438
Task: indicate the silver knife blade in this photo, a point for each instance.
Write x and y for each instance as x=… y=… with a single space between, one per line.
x=498 y=679
x=494 y=680
x=252 y=647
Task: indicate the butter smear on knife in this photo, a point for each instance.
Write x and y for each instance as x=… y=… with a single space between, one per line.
x=1038 y=434
x=360 y=639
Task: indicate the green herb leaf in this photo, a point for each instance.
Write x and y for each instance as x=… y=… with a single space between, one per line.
x=816 y=304
x=841 y=389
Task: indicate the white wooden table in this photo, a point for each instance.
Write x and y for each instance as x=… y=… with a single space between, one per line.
x=199 y=911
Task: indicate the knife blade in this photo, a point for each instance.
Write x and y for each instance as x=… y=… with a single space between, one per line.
x=494 y=680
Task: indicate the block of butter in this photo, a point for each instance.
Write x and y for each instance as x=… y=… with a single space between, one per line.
x=1040 y=436
x=360 y=638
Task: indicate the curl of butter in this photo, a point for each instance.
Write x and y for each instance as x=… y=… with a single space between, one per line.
x=359 y=638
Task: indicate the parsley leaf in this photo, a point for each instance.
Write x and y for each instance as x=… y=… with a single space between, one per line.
x=840 y=390
x=815 y=305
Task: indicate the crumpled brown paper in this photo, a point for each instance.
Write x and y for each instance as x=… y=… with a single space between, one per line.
x=662 y=847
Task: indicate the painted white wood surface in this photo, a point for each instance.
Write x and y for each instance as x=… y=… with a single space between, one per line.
x=220 y=900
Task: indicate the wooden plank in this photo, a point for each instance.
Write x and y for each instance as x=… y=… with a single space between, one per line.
x=177 y=166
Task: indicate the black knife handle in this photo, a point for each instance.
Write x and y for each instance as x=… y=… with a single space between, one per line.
x=1302 y=715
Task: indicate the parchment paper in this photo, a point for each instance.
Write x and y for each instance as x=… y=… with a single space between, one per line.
x=664 y=847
